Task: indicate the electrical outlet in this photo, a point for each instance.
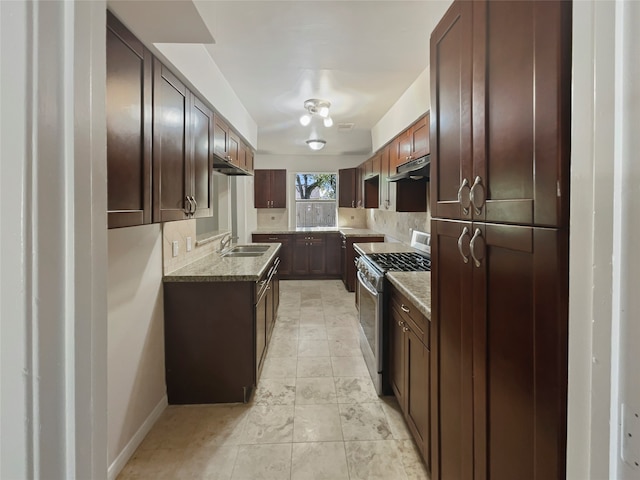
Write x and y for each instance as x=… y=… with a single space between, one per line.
x=174 y=248
x=189 y=245
x=631 y=436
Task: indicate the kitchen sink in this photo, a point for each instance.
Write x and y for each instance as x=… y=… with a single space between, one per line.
x=250 y=249
x=242 y=254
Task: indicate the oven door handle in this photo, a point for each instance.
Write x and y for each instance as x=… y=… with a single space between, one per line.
x=366 y=285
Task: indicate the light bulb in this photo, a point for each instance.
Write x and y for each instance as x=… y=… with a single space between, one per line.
x=328 y=122
x=323 y=111
x=316 y=144
x=305 y=119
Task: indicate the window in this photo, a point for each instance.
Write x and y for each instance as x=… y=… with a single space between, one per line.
x=315 y=199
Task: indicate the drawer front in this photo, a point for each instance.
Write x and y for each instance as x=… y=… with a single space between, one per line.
x=416 y=321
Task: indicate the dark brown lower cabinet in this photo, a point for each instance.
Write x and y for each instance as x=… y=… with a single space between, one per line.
x=349 y=257
x=499 y=369
x=333 y=252
x=410 y=368
x=286 y=249
x=216 y=337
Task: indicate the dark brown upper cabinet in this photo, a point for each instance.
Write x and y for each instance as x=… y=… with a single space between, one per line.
x=171 y=166
x=347 y=187
x=501 y=84
x=129 y=135
x=182 y=155
x=270 y=188
x=413 y=143
x=201 y=152
x=221 y=138
x=234 y=147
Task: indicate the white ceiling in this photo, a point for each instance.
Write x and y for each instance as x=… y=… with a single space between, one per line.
x=359 y=55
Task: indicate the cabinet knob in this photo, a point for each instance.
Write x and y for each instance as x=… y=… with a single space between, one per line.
x=400 y=323
x=405 y=329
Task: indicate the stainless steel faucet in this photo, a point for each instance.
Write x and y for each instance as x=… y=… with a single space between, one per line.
x=226 y=241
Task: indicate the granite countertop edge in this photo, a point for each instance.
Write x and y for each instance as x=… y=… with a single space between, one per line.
x=346 y=231
x=215 y=268
x=416 y=286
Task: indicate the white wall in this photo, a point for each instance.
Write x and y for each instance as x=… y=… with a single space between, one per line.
x=413 y=103
x=136 y=379
x=53 y=240
x=626 y=267
x=196 y=65
x=604 y=263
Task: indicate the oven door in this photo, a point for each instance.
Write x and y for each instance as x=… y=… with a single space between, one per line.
x=370 y=316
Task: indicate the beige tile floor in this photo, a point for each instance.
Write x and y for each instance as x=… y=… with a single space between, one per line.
x=314 y=415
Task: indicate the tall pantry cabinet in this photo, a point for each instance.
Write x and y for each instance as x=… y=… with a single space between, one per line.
x=500 y=126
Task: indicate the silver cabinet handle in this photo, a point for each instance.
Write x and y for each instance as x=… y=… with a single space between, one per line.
x=404 y=308
x=188 y=205
x=405 y=329
x=400 y=323
x=465 y=258
x=477 y=199
x=195 y=204
x=477 y=235
x=467 y=201
x=353 y=203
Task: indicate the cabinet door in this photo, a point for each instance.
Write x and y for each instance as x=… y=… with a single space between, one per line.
x=220 y=138
x=129 y=83
x=249 y=160
x=317 y=255
x=261 y=332
x=171 y=172
x=270 y=306
x=384 y=200
x=417 y=373
x=242 y=155
x=333 y=252
x=300 y=255
x=420 y=138
x=397 y=355
x=394 y=155
x=201 y=162
x=261 y=188
x=451 y=78
x=233 y=147
x=343 y=261
x=279 y=188
x=520 y=352
x=521 y=105
x=347 y=187
x=360 y=172
x=404 y=147
x=452 y=346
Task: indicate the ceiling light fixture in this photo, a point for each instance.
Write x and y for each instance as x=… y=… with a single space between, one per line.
x=316 y=144
x=318 y=107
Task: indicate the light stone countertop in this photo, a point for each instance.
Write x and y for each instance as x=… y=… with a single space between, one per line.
x=416 y=286
x=266 y=231
x=347 y=231
x=382 y=247
x=215 y=268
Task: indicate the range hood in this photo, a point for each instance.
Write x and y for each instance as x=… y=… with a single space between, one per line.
x=227 y=168
x=414 y=170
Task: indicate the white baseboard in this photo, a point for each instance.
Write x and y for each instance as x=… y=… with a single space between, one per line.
x=123 y=457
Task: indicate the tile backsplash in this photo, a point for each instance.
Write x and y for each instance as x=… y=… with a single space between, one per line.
x=398 y=225
x=277 y=218
x=180 y=231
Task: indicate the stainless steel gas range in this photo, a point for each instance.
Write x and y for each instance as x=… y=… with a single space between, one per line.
x=372 y=298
